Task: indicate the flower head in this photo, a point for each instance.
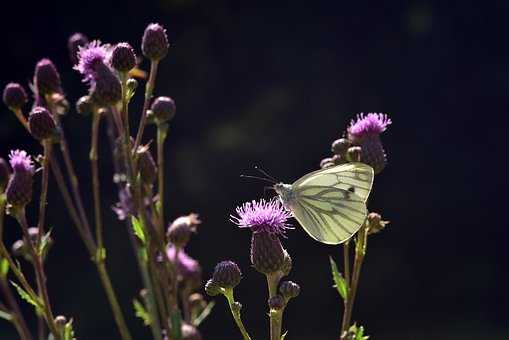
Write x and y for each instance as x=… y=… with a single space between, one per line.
x=189 y=269
x=372 y=123
x=154 y=44
x=14 y=96
x=47 y=78
x=123 y=58
x=268 y=216
x=89 y=57
x=41 y=123
x=163 y=109
x=21 y=162
x=227 y=274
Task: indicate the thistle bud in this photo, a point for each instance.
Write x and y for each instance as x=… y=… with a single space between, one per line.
x=189 y=332
x=123 y=58
x=212 y=288
x=74 y=43
x=84 y=105
x=18 y=248
x=340 y=146
x=154 y=44
x=354 y=154
x=163 y=109
x=267 y=254
x=47 y=78
x=276 y=302
x=132 y=84
x=289 y=289
x=179 y=232
x=60 y=322
x=14 y=96
x=375 y=223
x=41 y=124
x=5 y=173
x=147 y=166
x=19 y=189
x=227 y=274
x=106 y=89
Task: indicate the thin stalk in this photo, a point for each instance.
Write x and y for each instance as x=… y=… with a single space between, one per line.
x=235 y=310
x=96 y=184
x=39 y=273
x=276 y=316
x=149 y=88
x=346 y=259
x=21 y=118
x=44 y=191
x=41 y=328
x=17 y=317
x=360 y=252
x=162 y=131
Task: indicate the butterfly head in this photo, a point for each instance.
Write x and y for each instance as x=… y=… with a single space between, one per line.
x=285 y=192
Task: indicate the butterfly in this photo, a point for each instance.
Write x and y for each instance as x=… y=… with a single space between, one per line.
x=330 y=204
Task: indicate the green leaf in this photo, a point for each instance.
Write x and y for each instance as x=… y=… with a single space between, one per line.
x=4 y=268
x=5 y=316
x=68 y=331
x=339 y=281
x=141 y=312
x=203 y=315
x=25 y=296
x=45 y=244
x=139 y=229
x=284 y=335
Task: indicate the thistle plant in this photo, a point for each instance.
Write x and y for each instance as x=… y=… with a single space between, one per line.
x=169 y=301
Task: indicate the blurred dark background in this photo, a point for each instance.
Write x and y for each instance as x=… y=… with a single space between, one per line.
x=274 y=86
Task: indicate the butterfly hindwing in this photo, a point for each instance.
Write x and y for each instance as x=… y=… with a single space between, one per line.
x=353 y=177
x=329 y=215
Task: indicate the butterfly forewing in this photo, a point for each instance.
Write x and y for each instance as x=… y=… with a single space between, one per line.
x=353 y=177
x=329 y=215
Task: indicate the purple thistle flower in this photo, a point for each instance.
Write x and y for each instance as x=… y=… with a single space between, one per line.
x=365 y=132
x=188 y=268
x=21 y=162
x=19 y=189
x=263 y=216
x=90 y=57
x=372 y=123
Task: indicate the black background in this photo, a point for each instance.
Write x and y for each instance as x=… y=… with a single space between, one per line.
x=274 y=86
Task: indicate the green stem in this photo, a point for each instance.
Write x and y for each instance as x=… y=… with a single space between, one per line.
x=276 y=316
x=44 y=191
x=96 y=185
x=162 y=131
x=235 y=310
x=149 y=88
x=346 y=259
x=360 y=252
x=39 y=272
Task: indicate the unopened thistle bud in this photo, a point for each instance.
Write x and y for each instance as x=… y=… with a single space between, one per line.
x=180 y=230
x=289 y=289
x=375 y=223
x=5 y=173
x=354 y=154
x=41 y=124
x=147 y=166
x=47 y=78
x=212 y=288
x=106 y=89
x=14 y=96
x=19 y=189
x=227 y=274
x=276 y=302
x=267 y=254
x=123 y=58
x=189 y=332
x=340 y=146
x=18 y=248
x=163 y=109
x=365 y=132
x=84 y=105
x=154 y=44
x=74 y=43
x=132 y=84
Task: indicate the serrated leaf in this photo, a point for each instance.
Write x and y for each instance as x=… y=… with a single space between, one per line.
x=141 y=312
x=139 y=229
x=284 y=335
x=339 y=281
x=4 y=268
x=5 y=316
x=203 y=315
x=25 y=296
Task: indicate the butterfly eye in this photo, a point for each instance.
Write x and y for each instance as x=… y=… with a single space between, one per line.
x=351 y=189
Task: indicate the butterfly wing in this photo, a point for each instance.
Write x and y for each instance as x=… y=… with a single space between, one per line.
x=353 y=177
x=330 y=204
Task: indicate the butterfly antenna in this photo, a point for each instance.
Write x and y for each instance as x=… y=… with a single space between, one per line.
x=263 y=172
x=260 y=178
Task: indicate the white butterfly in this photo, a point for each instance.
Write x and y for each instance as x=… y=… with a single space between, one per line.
x=330 y=204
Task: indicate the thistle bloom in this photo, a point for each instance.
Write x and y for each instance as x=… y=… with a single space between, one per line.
x=268 y=216
x=90 y=57
x=188 y=268
x=365 y=132
x=19 y=189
